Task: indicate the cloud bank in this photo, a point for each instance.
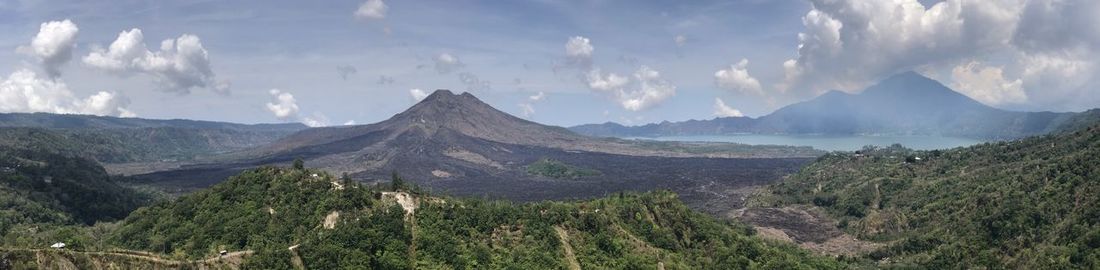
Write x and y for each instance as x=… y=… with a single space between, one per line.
x=24 y=91
x=1046 y=50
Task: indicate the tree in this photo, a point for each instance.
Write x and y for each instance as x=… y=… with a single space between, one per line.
x=398 y=183
x=299 y=164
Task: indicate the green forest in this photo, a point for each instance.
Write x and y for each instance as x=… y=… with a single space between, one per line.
x=333 y=223
x=1026 y=204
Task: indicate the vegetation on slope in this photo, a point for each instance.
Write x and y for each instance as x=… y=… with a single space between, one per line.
x=41 y=193
x=1027 y=204
x=290 y=216
x=121 y=145
x=557 y=169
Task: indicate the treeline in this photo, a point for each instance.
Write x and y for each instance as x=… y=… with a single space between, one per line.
x=290 y=215
x=1027 y=204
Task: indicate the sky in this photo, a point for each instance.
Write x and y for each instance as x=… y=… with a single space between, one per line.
x=555 y=62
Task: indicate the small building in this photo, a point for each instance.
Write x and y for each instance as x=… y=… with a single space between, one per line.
x=223 y=252
x=58 y=245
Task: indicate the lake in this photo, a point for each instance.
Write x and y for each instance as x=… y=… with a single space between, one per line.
x=830 y=143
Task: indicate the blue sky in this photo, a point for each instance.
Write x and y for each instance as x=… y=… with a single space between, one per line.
x=668 y=54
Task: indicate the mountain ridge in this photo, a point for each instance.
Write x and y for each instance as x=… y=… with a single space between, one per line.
x=904 y=104
x=459 y=145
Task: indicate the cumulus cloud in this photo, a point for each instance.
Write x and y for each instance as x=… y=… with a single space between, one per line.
x=987 y=84
x=345 y=71
x=315 y=120
x=578 y=51
x=599 y=81
x=349 y=123
x=722 y=110
x=180 y=65
x=284 y=106
x=417 y=94
x=24 y=91
x=849 y=43
x=527 y=108
x=372 y=9
x=447 y=63
x=53 y=45
x=1051 y=46
x=737 y=78
x=648 y=88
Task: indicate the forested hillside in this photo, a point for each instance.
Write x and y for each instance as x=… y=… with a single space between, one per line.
x=1027 y=204
x=295 y=216
x=41 y=192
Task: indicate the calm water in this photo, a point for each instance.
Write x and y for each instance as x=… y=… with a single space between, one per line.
x=831 y=143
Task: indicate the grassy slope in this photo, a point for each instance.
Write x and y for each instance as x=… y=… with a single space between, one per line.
x=270 y=209
x=1022 y=204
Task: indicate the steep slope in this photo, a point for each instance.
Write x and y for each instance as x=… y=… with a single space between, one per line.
x=1023 y=204
x=905 y=104
x=285 y=213
x=458 y=145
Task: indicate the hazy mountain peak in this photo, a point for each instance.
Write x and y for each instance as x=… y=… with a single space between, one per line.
x=908 y=84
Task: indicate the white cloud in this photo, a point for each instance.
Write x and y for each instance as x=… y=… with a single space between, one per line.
x=180 y=65
x=849 y=43
x=987 y=84
x=578 y=51
x=24 y=91
x=648 y=90
x=417 y=94
x=598 y=81
x=53 y=45
x=737 y=78
x=372 y=9
x=537 y=97
x=1052 y=47
x=349 y=123
x=527 y=109
x=652 y=91
x=315 y=120
x=284 y=107
x=447 y=63
x=722 y=110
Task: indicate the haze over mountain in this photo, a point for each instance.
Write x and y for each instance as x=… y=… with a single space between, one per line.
x=904 y=104
x=458 y=144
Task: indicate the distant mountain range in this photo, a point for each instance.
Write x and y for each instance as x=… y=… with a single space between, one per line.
x=457 y=144
x=121 y=140
x=905 y=104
